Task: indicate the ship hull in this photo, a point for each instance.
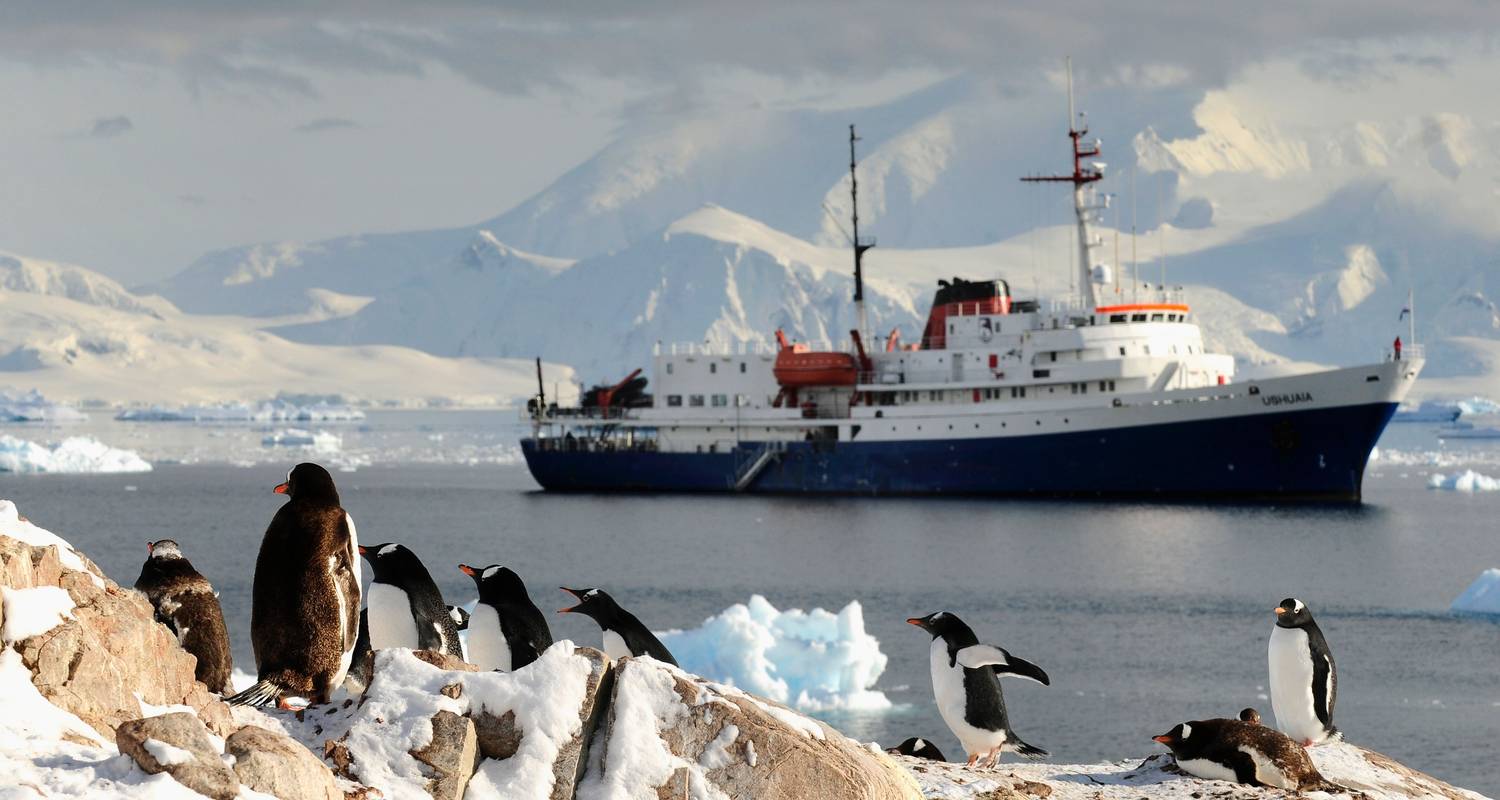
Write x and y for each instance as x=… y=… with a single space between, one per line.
x=1313 y=454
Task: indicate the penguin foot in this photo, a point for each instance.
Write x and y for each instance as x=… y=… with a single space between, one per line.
x=972 y=758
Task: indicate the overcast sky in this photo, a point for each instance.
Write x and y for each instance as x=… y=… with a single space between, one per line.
x=137 y=136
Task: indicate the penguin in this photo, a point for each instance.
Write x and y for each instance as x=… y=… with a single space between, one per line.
x=304 y=613
x=405 y=608
x=506 y=630
x=917 y=747
x=1244 y=752
x=460 y=617
x=966 y=685
x=1304 y=681
x=186 y=603
x=1249 y=715
x=624 y=635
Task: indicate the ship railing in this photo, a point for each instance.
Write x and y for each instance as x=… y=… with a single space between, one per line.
x=755 y=348
x=586 y=444
x=1407 y=351
x=554 y=413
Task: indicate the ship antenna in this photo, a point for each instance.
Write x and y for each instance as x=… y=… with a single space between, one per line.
x=1082 y=176
x=860 y=245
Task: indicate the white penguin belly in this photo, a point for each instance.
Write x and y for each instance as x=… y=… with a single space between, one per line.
x=952 y=701
x=1291 y=685
x=488 y=648
x=1208 y=770
x=390 y=620
x=614 y=646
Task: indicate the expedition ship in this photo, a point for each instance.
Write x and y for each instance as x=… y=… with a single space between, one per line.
x=1001 y=396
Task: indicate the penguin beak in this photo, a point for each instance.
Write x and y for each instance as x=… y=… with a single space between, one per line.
x=467 y=570
x=1165 y=738
x=150 y=548
x=364 y=551
x=282 y=488
x=1279 y=610
x=576 y=593
x=917 y=621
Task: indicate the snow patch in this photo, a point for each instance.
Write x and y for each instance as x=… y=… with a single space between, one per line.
x=32 y=612
x=167 y=755
x=1482 y=596
x=74 y=455
x=814 y=660
x=15 y=526
x=1466 y=481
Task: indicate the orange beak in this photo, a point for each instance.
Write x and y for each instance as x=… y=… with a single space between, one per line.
x=150 y=548
x=282 y=488
x=1279 y=611
x=467 y=570
x=1165 y=738
x=364 y=550
x=914 y=621
x=570 y=609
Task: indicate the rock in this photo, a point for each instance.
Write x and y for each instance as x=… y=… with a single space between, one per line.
x=444 y=661
x=713 y=738
x=453 y=755
x=272 y=763
x=112 y=655
x=189 y=756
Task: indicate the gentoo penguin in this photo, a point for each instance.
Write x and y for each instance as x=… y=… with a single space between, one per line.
x=186 y=603
x=506 y=630
x=965 y=682
x=624 y=635
x=1304 y=681
x=917 y=747
x=405 y=608
x=1244 y=752
x=304 y=616
x=1249 y=715
x=460 y=617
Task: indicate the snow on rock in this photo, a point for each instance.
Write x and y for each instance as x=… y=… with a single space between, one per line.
x=33 y=612
x=34 y=407
x=74 y=455
x=319 y=441
x=1466 y=481
x=15 y=526
x=814 y=660
x=1482 y=596
x=167 y=755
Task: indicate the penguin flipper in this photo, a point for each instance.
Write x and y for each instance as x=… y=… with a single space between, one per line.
x=1021 y=668
x=978 y=656
x=263 y=693
x=1026 y=751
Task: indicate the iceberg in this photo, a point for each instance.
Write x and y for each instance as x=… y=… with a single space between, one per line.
x=74 y=455
x=1466 y=481
x=34 y=407
x=1482 y=597
x=270 y=411
x=320 y=441
x=813 y=661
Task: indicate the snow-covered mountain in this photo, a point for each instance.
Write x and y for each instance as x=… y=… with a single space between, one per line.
x=80 y=337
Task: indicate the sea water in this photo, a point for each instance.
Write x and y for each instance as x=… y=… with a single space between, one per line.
x=1143 y=614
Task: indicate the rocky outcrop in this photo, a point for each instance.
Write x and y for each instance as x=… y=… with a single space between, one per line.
x=452 y=755
x=273 y=764
x=111 y=659
x=671 y=734
x=178 y=745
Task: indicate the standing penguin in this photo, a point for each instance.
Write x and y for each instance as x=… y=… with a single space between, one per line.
x=1244 y=752
x=1304 y=681
x=186 y=603
x=624 y=635
x=304 y=616
x=506 y=630
x=405 y=608
x=966 y=686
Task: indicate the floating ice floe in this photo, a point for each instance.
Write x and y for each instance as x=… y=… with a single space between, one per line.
x=1466 y=481
x=34 y=407
x=319 y=441
x=1482 y=597
x=74 y=455
x=270 y=411
x=814 y=661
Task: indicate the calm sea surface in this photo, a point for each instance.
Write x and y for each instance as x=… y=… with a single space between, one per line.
x=1144 y=615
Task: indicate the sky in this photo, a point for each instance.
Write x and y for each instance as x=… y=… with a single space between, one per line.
x=138 y=136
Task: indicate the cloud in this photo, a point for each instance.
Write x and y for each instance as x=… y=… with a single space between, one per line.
x=326 y=124
x=110 y=127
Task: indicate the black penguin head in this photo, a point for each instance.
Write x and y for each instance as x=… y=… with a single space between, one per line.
x=917 y=747
x=162 y=550
x=1249 y=715
x=309 y=482
x=595 y=603
x=460 y=617
x=497 y=585
x=1292 y=613
x=940 y=623
x=1181 y=742
x=392 y=563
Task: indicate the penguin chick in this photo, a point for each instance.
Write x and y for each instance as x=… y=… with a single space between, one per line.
x=186 y=603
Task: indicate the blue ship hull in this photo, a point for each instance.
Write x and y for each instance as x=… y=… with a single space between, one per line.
x=1316 y=455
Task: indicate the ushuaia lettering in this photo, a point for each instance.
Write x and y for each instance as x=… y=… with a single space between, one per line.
x=1287 y=399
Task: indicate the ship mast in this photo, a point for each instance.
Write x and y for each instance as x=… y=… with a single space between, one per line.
x=860 y=245
x=1082 y=176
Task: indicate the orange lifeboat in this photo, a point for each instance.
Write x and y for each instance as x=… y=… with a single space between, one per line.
x=797 y=367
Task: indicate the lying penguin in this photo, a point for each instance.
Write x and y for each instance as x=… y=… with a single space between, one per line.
x=917 y=747
x=1244 y=752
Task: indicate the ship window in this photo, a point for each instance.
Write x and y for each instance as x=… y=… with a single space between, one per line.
x=1171 y=318
x=1111 y=386
x=713 y=368
x=742 y=367
x=1041 y=373
x=1054 y=356
x=1122 y=351
x=1137 y=317
x=1115 y=318
x=669 y=368
x=720 y=400
x=695 y=400
x=1147 y=349
x=1156 y=317
x=674 y=400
